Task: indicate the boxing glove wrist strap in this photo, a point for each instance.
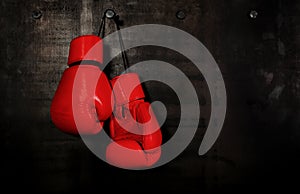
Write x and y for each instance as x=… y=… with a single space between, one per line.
x=86 y=62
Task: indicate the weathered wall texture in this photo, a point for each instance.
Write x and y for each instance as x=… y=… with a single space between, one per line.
x=259 y=60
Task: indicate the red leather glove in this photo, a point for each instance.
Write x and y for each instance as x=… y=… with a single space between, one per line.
x=82 y=100
x=134 y=129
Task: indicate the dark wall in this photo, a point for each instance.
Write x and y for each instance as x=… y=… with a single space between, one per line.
x=258 y=57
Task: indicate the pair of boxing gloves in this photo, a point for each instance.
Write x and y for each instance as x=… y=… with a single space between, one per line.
x=85 y=98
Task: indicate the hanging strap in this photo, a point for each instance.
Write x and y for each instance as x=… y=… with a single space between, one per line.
x=102 y=28
x=122 y=47
x=110 y=14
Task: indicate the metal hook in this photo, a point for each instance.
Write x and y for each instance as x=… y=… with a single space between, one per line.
x=110 y=14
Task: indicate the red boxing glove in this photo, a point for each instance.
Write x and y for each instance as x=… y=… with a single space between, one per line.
x=139 y=147
x=82 y=100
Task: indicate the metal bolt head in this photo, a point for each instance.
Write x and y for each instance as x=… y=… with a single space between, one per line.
x=253 y=14
x=180 y=15
x=36 y=14
x=109 y=13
